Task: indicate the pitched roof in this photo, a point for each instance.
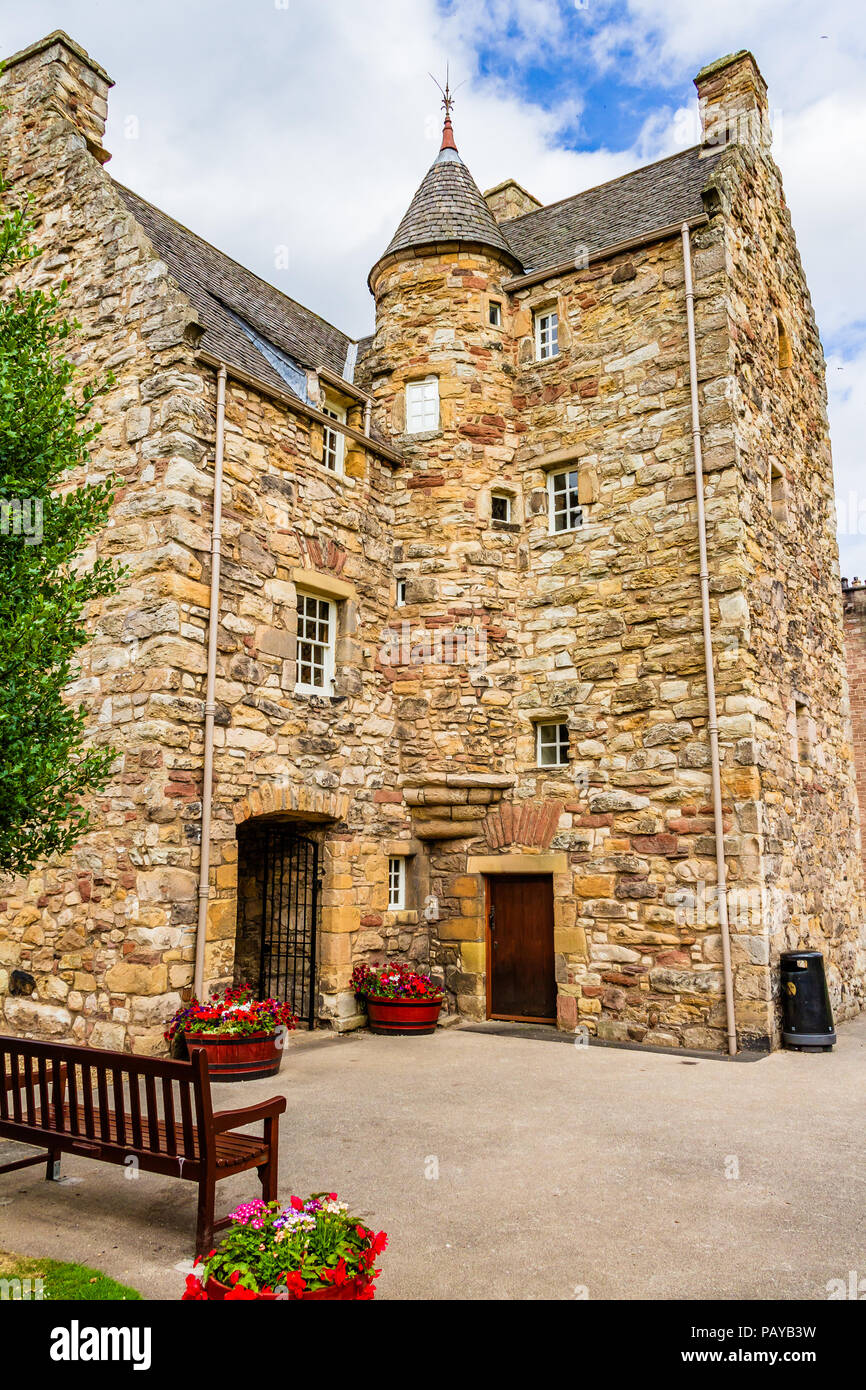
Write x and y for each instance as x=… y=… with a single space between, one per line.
x=449 y=206
x=634 y=205
x=248 y=323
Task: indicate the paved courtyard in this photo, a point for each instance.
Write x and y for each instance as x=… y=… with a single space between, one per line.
x=510 y=1168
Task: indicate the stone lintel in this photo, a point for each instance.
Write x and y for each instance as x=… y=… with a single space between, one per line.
x=517 y=864
x=324 y=585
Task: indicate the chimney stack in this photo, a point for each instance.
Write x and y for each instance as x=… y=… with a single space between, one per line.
x=732 y=96
x=58 y=74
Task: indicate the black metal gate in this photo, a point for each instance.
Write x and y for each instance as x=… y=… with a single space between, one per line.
x=290 y=907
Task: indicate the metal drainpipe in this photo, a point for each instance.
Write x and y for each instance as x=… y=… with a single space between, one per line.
x=210 y=695
x=718 y=811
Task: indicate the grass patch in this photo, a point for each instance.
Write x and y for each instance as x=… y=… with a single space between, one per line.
x=62 y=1281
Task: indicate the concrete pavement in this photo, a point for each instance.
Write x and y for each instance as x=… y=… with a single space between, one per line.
x=516 y=1169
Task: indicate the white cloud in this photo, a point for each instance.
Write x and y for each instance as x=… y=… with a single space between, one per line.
x=309 y=124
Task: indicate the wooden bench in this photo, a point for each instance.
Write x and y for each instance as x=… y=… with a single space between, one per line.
x=140 y=1112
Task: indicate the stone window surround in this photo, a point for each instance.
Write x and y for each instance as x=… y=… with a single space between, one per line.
x=489 y=302
x=397 y=883
x=429 y=379
x=558 y=722
x=561 y=471
x=415 y=882
x=505 y=489
x=343 y=597
x=334 y=441
x=541 y=311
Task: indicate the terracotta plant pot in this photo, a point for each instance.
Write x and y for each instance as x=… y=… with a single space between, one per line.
x=231 y=1058
x=346 y=1293
x=403 y=1016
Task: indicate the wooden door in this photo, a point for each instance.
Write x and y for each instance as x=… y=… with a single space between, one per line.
x=521 y=977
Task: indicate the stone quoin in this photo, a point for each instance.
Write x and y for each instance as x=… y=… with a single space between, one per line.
x=460 y=628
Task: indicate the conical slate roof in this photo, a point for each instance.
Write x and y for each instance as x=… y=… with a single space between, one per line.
x=449 y=206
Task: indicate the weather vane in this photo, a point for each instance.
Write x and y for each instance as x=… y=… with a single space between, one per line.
x=447 y=94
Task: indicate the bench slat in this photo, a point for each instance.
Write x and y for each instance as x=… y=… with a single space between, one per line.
x=29 y=1092
x=119 y=1104
x=135 y=1111
x=153 y=1125
x=16 y=1086
x=72 y=1088
x=186 y=1120
x=168 y=1112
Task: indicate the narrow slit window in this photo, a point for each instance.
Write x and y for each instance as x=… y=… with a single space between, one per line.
x=500 y=507
x=495 y=314
x=316 y=631
x=396 y=884
x=334 y=440
x=552 y=745
x=401 y=593
x=803 y=731
x=778 y=493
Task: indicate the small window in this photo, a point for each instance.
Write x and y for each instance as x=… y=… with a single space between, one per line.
x=778 y=492
x=500 y=507
x=552 y=745
x=396 y=884
x=316 y=632
x=495 y=314
x=804 y=731
x=334 y=441
x=547 y=335
x=785 y=355
x=422 y=406
x=401 y=593
x=566 y=513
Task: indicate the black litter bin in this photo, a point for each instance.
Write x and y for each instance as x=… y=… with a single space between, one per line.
x=807 y=1019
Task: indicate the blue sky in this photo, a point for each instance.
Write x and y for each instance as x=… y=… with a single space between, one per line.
x=293 y=133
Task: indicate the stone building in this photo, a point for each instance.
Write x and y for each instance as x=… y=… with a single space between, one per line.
x=411 y=661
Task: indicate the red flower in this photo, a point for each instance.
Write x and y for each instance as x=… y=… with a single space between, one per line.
x=240 y=1295
x=296 y=1284
x=336 y=1276
x=379 y=1244
x=332 y=1196
x=234 y=1277
x=297 y=1204
x=194 y=1290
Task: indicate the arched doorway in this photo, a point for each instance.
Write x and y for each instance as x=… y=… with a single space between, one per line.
x=279 y=892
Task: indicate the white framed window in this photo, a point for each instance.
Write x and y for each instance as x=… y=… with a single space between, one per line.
x=317 y=627
x=495 y=314
x=565 y=511
x=552 y=745
x=334 y=441
x=422 y=405
x=500 y=506
x=546 y=335
x=396 y=884
x=401 y=593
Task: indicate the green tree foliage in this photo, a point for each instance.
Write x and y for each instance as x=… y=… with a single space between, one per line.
x=47 y=518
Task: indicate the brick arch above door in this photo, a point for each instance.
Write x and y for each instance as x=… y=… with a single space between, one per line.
x=530 y=823
x=291 y=798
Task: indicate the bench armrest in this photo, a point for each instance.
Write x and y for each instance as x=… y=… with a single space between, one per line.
x=236 y=1119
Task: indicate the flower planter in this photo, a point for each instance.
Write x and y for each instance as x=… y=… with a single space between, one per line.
x=355 y=1290
x=403 y=1016
x=232 y=1058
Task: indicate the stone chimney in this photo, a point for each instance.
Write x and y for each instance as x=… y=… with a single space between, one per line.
x=509 y=200
x=732 y=96
x=59 y=75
